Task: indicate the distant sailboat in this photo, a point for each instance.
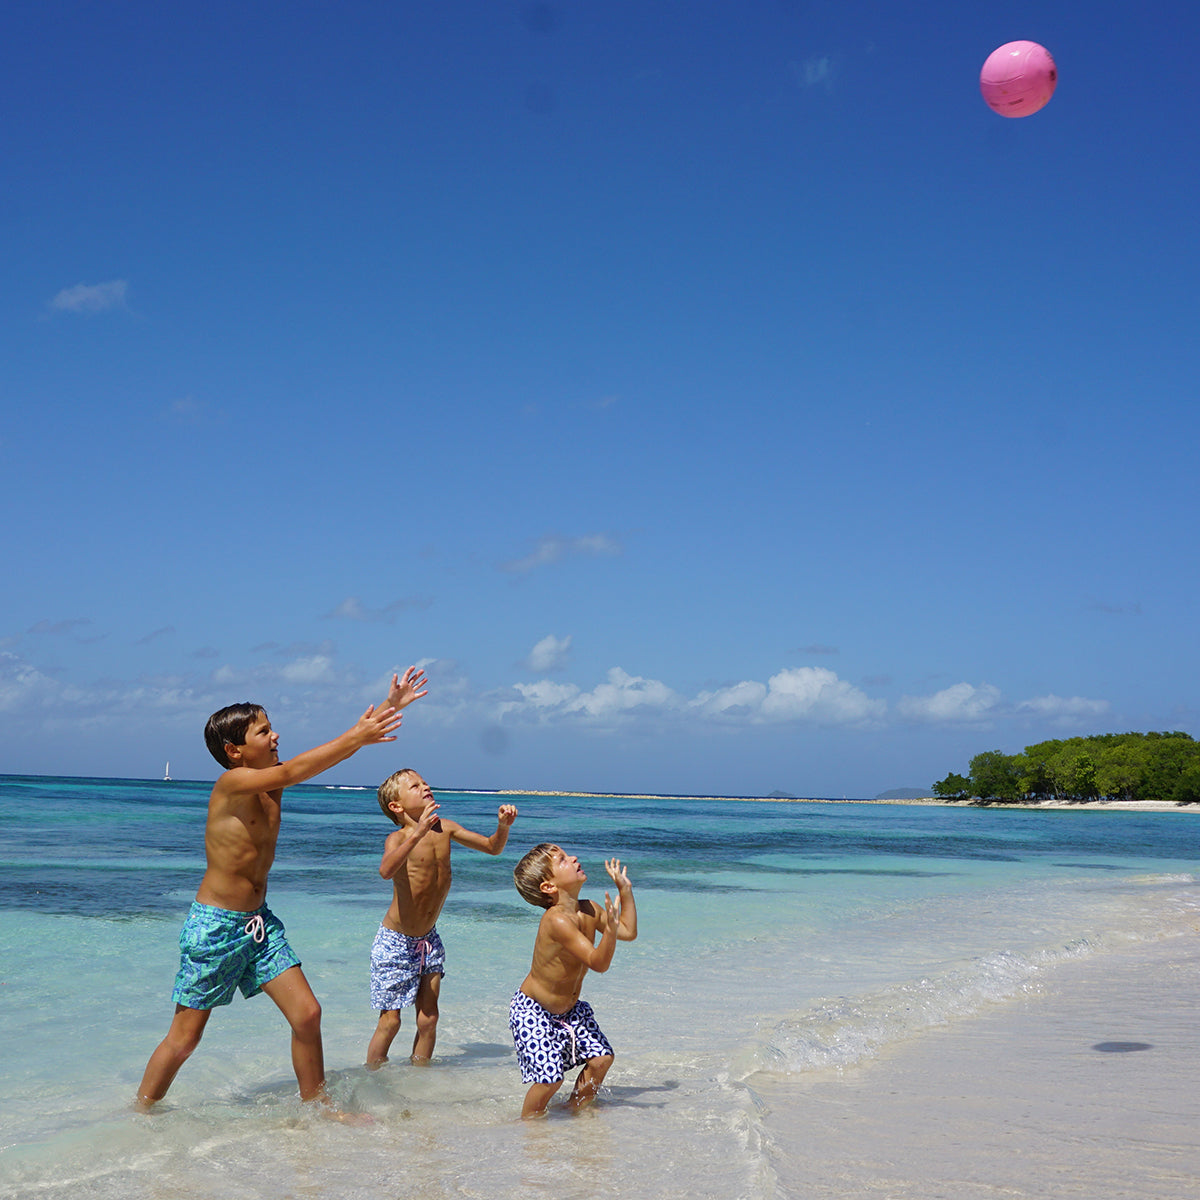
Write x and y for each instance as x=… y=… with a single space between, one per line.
x=167 y=772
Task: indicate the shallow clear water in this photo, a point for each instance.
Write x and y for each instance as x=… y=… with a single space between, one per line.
x=775 y=940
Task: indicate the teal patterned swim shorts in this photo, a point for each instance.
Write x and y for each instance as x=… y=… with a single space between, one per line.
x=221 y=950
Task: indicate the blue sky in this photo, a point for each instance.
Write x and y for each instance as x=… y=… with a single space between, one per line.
x=713 y=398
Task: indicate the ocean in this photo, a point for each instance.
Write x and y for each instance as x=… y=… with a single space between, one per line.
x=789 y=956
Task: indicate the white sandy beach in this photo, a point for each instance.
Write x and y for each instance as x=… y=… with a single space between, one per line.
x=1086 y=1088
x=1086 y=806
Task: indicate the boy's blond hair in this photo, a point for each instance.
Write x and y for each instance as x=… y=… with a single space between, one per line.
x=530 y=873
x=389 y=792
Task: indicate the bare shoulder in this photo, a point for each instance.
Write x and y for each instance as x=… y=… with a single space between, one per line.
x=237 y=782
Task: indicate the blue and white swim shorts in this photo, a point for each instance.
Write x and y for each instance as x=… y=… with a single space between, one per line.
x=221 y=950
x=397 y=964
x=550 y=1044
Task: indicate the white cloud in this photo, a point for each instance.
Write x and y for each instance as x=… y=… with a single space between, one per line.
x=810 y=694
x=817 y=70
x=317 y=668
x=622 y=693
x=961 y=703
x=553 y=548
x=550 y=654
x=23 y=685
x=91 y=298
x=738 y=699
x=542 y=695
x=818 y=694
x=1064 y=709
x=353 y=609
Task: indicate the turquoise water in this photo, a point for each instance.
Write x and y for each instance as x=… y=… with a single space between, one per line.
x=780 y=939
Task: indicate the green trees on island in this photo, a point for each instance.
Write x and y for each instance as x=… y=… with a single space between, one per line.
x=1109 y=766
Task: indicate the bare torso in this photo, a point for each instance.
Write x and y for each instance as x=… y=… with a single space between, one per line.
x=239 y=846
x=555 y=977
x=420 y=885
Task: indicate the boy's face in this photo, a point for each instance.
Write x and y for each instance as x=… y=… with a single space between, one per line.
x=413 y=793
x=261 y=747
x=564 y=873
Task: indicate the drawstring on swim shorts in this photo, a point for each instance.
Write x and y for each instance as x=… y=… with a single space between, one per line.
x=424 y=947
x=563 y=1023
x=256 y=928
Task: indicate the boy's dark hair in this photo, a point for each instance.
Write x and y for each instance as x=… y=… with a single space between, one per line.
x=230 y=725
x=530 y=873
x=388 y=791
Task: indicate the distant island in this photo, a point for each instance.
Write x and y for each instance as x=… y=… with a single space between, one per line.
x=1124 y=767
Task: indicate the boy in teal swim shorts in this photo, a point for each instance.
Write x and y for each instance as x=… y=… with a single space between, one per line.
x=231 y=940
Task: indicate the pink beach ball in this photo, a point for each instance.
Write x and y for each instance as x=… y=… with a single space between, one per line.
x=1018 y=79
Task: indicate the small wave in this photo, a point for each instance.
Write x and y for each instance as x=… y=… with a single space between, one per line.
x=842 y=1031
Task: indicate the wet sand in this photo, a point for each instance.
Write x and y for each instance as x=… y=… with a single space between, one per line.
x=1086 y=1089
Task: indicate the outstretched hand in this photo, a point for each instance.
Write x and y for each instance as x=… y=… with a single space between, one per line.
x=617 y=873
x=404 y=691
x=612 y=911
x=377 y=725
x=429 y=819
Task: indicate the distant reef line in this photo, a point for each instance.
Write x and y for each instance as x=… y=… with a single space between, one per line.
x=738 y=799
x=937 y=801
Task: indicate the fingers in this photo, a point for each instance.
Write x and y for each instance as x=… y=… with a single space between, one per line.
x=414 y=678
x=383 y=722
x=616 y=871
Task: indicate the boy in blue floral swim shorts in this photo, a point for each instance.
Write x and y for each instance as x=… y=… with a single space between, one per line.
x=231 y=940
x=553 y=1029
x=408 y=959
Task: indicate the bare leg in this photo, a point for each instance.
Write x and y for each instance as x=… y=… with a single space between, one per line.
x=172 y=1052
x=427 y=1018
x=382 y=1038
x=589 y=1081
x=296 y=1001
x=537 y=1098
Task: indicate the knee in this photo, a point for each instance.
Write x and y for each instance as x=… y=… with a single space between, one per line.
x=427 y=1020
x=389 y=1021
x=183 y=1042
x=600 y=1064
x=306 y=1023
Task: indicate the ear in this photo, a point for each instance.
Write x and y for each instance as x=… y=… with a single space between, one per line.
x=234 y=753
x=548 y=887
x=396 y=807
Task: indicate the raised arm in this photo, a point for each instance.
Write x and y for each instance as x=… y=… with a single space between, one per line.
x=404 y=691
x=401 y=843
x=506 y=815
x=569 y=936
x=374 y=726
x=627 y=926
